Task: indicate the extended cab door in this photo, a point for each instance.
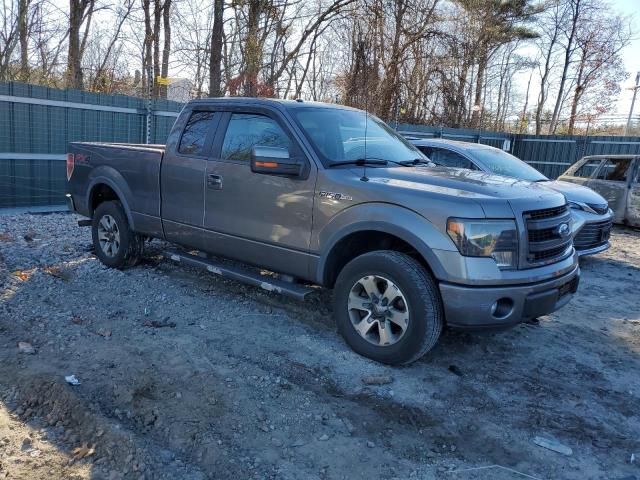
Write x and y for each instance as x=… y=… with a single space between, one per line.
x=633 y=202
x=612 y=181
x=258 y=218
x=182 y=177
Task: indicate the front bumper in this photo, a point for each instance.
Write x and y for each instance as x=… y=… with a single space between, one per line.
x=499 y=307
x=583 y=252
x=591 y=232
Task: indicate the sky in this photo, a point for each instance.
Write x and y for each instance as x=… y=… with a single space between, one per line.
x=631 y=57
x=631 y=54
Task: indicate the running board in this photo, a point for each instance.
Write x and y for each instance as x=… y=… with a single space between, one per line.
x=239 y=274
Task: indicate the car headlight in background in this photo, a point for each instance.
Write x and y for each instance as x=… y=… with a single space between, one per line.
x=598 y=209
x=497 y=239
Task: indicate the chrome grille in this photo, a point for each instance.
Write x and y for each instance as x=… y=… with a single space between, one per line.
x=593 y=235
x=546 y=213
x=546 y=243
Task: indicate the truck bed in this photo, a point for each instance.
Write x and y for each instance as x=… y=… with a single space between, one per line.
x=122 y=166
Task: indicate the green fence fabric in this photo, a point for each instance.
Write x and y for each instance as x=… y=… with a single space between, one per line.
x=37 y=124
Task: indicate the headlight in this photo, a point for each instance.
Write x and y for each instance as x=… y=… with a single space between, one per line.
x=598 y=209
x=486 y=238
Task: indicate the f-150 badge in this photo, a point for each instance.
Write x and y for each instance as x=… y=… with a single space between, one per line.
x=335 y=196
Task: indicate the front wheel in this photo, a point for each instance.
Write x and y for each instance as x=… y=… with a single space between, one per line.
x=115 y=244
x=388 y=307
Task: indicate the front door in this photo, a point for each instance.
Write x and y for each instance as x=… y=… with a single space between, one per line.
x=612 y=182
x=260 y=219
x=583 y=173
x=633 y=201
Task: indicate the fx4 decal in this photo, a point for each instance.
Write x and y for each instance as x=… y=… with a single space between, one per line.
x=335 y=196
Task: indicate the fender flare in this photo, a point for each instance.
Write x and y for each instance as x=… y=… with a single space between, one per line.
x=114 y=180
x=401 y=222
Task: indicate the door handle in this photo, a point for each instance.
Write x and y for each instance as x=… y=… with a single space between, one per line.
x=214 y=182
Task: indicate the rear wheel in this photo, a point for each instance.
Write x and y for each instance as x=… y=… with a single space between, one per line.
x=388 y=307
x=115 y=244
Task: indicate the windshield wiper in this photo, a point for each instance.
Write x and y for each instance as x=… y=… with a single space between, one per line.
x=359 y=161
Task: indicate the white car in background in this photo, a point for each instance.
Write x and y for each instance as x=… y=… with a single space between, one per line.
x=591 y=217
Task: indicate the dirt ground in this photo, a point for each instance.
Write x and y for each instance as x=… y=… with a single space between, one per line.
x=184 y=375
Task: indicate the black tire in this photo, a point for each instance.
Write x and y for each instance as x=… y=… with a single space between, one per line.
x=423 y=300
x=130 y=246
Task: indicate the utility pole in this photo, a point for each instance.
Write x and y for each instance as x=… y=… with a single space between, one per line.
x=633 y=102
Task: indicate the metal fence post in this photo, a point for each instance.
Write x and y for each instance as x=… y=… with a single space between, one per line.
x=149 y=114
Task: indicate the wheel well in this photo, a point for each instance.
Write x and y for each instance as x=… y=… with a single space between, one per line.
x=358 y=243
x=101 y=193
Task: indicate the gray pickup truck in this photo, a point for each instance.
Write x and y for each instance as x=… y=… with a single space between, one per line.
x=328 y=195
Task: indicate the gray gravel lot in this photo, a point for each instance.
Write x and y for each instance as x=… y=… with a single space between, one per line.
x=188 y=376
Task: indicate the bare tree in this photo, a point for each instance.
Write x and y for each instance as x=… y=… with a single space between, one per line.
x=8 y=36
x=599 y=42
x=100 y=74
x=577 y=10
x=217 y=40
x=550 y=26
x=80 y=13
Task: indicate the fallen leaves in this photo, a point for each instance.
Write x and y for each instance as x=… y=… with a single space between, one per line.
x=24 y=275
x=54 y=270
x=84 y=451
x=58 y=272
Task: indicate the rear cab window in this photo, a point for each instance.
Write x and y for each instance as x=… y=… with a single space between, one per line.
x=194 y=135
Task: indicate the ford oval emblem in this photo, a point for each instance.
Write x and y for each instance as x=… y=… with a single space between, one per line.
x=564 y=230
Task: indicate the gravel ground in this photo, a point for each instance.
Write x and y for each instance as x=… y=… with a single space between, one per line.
x=188 y=376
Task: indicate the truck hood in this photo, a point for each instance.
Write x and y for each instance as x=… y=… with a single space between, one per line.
x=459 y=182
x=574 y=192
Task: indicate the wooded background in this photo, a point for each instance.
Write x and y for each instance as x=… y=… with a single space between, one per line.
x=455 y=63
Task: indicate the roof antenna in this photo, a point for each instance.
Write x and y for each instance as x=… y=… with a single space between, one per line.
x=366 y=113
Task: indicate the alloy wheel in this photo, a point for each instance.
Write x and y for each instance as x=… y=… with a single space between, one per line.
x=378 y=310
x=109 y=236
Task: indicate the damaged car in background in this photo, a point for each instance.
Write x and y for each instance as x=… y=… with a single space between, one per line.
x=616 y=178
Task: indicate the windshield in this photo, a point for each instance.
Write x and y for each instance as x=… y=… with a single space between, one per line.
x=338 y=135
x=505 y=164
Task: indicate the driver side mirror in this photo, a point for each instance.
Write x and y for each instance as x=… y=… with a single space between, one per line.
x=275 y=161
